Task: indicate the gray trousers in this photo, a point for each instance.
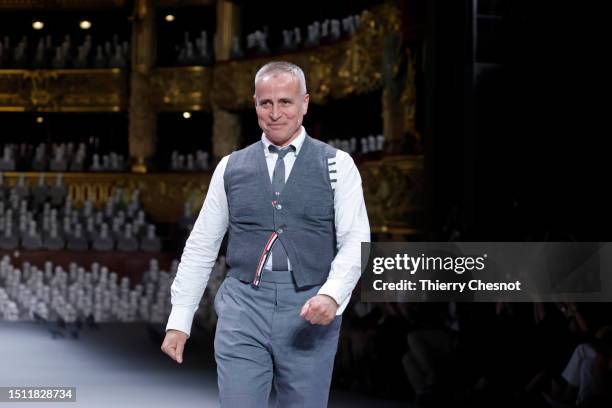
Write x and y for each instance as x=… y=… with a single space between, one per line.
x=261 y=341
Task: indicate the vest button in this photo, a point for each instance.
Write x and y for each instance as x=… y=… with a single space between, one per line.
x=279 y=207
x=280 y=230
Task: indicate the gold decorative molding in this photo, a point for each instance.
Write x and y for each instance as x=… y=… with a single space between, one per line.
x=178 y=89
x=63 y=90
x=163 y=195
x=14 y=91
x=394 y=193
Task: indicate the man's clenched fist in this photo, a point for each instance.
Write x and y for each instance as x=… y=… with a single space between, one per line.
x=319 y=309
x=174 y=344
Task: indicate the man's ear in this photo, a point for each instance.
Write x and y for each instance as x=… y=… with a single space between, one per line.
x=305 y=103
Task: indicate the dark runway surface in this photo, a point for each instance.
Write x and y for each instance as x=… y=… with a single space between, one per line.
x=120 y=365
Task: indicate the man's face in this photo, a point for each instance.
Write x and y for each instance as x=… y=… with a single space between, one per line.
x=280 y=107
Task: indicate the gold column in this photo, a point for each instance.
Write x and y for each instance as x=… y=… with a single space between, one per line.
x=228 y=27
x=393 y=118
x=226 y=125
x=142 y=129
x=398 y=106
x=226 y=133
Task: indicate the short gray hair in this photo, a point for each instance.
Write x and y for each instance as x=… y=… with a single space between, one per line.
x=283 y=67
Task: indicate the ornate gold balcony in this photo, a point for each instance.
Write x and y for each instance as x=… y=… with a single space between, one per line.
x=63 y=90
x=346 y=68
x=184 y=88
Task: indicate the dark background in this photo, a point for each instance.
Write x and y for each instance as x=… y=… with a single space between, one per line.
x=515 y=150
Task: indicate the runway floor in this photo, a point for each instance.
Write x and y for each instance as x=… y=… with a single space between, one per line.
x=120 y=365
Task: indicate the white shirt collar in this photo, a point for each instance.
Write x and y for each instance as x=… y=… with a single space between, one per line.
x=296 y=143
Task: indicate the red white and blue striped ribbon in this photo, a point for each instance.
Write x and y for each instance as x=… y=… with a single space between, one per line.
x=263 y=259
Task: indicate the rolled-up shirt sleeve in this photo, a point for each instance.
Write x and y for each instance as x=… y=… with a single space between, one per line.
x=200 y=253
x=352 y=228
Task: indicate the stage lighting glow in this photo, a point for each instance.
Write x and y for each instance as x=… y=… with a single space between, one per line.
x=186 y=115
x=85 y=25
x=38 y=25
x=169 y=18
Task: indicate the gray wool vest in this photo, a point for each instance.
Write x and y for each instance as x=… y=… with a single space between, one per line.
x=303 y=215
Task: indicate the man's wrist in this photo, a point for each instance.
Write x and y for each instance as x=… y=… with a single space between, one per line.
x=178 y=332
x=333 y=300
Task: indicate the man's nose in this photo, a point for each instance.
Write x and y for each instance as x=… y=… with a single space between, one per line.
x=275 y=114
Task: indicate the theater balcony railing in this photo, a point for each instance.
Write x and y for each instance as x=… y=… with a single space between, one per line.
x=393 y=189
x=182 y=88
x=163 y=195
x=63 y=90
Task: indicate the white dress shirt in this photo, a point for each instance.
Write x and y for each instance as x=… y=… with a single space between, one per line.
x=202 y=246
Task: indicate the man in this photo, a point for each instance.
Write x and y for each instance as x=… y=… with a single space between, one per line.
x=296 y=216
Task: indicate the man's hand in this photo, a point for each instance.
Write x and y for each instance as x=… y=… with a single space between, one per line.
x=174 y=344
x=319 y=309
